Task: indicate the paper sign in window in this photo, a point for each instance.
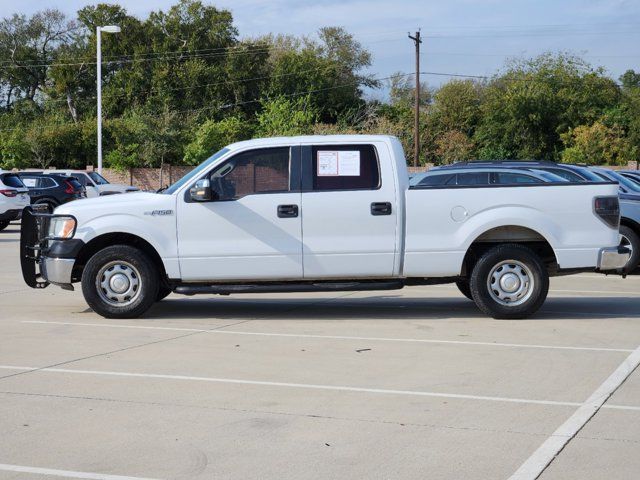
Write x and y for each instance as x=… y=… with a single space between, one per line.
x=349 y=163
x=29 y=182
x=327 y=163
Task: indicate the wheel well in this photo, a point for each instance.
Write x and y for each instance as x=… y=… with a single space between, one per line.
x=109 y=239
x=47 y=199
x=627 y=222
x=510 y=234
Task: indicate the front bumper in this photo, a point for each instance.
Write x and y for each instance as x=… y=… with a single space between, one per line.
x=57 y=270
x=613 y=258
x=43 y=260
x=11 y=215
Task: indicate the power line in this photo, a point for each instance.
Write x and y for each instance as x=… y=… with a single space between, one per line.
x=237 y=104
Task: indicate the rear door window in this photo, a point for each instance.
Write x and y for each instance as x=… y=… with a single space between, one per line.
x=345 y=167
x=44 y=182
x=508 y=178
x=431 y=180
x=472 y=178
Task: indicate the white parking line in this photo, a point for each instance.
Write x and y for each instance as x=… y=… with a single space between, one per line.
x=337 y=337
x=293 y=385
x=65 y=473
x=533 y=467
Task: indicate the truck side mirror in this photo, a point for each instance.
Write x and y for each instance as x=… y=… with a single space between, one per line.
x=201 y=191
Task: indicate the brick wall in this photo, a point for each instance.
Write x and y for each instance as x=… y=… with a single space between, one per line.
x=145 y=178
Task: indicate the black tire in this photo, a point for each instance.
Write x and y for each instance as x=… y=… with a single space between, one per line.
x=163 y=292
x=465 y=289
x=4 y=224
x=132 y=267
x=630 y=239
x=527 y=269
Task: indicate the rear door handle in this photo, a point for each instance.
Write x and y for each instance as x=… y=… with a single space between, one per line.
x=287 y=211
x=381 y=208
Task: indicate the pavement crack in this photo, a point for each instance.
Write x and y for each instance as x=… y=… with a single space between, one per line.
x=124 y=349
x=276 y=413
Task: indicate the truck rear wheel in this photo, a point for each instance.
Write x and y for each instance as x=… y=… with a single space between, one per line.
x=631 y=240
x=509 y=281
x=120 y=282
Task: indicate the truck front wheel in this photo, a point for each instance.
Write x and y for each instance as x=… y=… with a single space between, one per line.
x=120 y=282
x=509 y=281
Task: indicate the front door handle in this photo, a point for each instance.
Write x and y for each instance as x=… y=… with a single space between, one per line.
x=287 y=211
x=381 y=208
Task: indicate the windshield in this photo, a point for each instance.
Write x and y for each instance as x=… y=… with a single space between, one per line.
x=195 y=172
x=551 y=177
x=624 y=182
x=98 y=179
x=589 y=175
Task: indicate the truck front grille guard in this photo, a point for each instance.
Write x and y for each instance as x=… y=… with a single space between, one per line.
x=33 y=230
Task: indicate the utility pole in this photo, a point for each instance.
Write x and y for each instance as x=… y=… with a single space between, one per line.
x=416 y=107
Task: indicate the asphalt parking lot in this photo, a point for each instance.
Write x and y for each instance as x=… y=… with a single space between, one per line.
x=411 y=384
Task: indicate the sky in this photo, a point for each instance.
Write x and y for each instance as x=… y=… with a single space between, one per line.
x=468 y=37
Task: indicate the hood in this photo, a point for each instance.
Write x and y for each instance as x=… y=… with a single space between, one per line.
x=116 y=188
x=131 y=202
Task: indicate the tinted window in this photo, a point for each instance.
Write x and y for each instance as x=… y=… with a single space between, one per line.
x=44 y=182
x=567 y=174
x=256 y=171
x=98 y=179
x=345 y=167
x=435 y=179
x=12 y=181
x=472 y=178
x=82 y=180
x=506 y=178
x=74 y=183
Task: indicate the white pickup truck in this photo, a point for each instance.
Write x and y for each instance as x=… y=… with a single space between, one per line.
x=322 y=213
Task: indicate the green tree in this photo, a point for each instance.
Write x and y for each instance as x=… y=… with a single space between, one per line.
x=284 y=116
x=597 y=144
x=526 y=109
x=211 y=136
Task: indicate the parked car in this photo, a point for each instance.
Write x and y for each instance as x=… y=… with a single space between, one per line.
x=572 y=173
x=629 y=198
x=324 y=213
x=51 y=190
x=484 y=176
x=630 y=211
x=94 y=183
x=633 y=175
x=14 y=196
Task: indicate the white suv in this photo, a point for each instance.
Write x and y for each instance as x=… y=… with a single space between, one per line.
x=14 y=196
x=95 y=184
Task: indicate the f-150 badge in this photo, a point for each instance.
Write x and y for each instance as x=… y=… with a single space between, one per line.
x=159 y=213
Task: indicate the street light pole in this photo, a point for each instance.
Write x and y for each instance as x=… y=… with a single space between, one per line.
x=99 y=30
x=99 y=70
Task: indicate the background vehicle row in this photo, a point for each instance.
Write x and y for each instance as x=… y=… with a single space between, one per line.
x=14 y=196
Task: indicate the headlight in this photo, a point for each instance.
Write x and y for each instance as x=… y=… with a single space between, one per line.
x=62 y=228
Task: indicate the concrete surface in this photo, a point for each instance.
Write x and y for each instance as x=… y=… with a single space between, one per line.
x=411 y=384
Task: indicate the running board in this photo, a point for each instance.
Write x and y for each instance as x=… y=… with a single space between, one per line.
x=226 y=289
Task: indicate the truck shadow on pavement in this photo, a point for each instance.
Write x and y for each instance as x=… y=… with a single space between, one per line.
x=381 y=307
